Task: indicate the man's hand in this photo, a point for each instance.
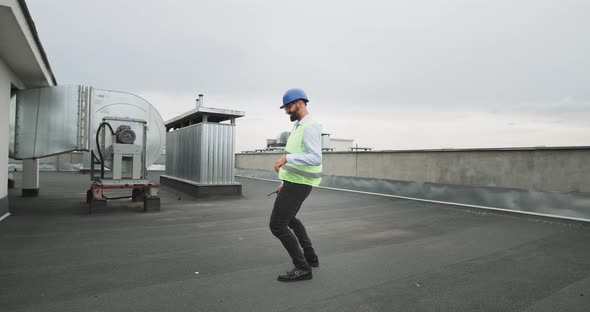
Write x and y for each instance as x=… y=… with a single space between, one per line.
x=279 y=188
x=280 y=162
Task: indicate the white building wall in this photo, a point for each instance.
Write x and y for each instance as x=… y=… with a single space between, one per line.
x=4 y=113
x=7 y=79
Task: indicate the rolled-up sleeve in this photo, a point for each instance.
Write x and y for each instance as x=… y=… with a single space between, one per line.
x=312 y=145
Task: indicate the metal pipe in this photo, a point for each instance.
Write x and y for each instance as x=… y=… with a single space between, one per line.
x=144 y=152
x=201 y=101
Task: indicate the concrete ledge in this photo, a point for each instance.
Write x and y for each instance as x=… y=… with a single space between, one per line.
x=571 y=206
x=30 y=192
x=564 y=170
x=3 y=207
x=201 y=190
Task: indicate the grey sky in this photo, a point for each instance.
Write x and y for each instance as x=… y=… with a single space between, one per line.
x=389 y=74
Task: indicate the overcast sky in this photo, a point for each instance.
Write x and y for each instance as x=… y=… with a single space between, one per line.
x=388 y=74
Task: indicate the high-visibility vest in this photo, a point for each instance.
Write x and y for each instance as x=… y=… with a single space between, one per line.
x=310 y=175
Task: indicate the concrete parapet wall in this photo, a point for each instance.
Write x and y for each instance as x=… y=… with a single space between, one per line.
x=565 y=169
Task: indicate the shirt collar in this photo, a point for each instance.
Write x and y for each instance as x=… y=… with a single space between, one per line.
x=303 y=121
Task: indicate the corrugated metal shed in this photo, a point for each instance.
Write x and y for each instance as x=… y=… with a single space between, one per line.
x=200 y=147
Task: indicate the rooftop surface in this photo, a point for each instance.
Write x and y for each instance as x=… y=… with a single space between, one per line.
x=376 y=254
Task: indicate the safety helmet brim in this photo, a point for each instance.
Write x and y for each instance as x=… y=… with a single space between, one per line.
x=285 y=105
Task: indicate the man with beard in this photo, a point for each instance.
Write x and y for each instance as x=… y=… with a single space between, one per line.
x=299 y=169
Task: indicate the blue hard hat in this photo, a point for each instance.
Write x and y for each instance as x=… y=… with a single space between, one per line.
x=293 y=95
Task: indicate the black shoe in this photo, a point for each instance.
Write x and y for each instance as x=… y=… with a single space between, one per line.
x=313 y=261
x=295 y=275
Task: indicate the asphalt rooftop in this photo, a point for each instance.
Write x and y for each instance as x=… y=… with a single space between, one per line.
x=376 y=254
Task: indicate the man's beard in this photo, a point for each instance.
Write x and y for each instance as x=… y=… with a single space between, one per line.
x=294 y=116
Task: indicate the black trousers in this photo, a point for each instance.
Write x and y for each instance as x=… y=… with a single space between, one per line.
x=287 y=228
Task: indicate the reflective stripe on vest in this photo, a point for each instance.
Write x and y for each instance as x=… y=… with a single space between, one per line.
x=310 y=175
x=302 y=173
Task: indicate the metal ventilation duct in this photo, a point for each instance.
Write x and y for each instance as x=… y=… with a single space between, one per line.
x=56 y=120
x=50 y=121
x=115 y=104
